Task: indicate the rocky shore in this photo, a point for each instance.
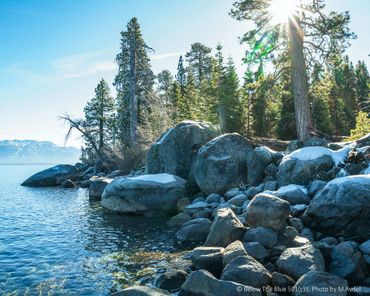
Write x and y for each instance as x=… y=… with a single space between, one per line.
x=262 y=222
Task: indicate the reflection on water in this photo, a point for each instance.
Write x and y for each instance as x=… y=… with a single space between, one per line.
x=54 y=242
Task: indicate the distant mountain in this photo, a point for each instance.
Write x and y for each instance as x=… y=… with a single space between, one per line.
x=30 y=151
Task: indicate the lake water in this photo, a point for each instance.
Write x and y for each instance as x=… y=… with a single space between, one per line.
x=55 y=242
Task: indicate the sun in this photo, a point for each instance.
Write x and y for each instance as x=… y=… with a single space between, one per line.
x=282 y=10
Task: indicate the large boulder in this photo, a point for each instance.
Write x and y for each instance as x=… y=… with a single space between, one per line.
x=309 y=163
x=268 y=210
x=302 y=172
x=149 y=195
x=174 y=151
x=226 y=228
x=223 y=163
x=247 y=271
x=318 y=283
x=342 y=207
x=97 y=187
x=296 y=262
x=202 y=283
x=53 y=176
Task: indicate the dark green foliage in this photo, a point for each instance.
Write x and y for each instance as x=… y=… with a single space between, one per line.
x=199 y=58
x=230 y=99
x=134 y=83
x=165 y=82
x=362 y=86
x=100 y=116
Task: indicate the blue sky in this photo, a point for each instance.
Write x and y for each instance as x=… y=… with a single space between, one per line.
x=54 y=52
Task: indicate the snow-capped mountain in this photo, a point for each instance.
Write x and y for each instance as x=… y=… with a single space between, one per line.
x=30 y=151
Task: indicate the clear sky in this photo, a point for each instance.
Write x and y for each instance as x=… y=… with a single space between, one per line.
x=54 y=52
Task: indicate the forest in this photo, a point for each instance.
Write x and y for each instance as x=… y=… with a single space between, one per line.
x=298 y=83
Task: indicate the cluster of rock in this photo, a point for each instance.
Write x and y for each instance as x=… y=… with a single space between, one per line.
x=262 y=222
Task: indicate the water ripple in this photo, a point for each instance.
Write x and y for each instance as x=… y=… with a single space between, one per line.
x=54 y=242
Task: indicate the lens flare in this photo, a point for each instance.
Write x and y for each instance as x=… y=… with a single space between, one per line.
x=282 y=10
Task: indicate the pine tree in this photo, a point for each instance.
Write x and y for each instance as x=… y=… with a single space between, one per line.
x=164 y=87
x=362 y=126
x=362 y=86
x=230 y=100
x=99 y=116
x=319 y=96
x=199 y=59
x=181 y=75
x=134 y=83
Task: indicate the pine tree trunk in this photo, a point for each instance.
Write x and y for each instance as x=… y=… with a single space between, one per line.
x=101 y=135
x=132 y=96
x=299 y=80
x=222 y=118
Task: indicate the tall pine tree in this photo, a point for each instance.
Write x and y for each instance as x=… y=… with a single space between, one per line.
x=134 y=83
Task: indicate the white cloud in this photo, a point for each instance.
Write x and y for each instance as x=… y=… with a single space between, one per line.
x=165 y=56
x=79 y=65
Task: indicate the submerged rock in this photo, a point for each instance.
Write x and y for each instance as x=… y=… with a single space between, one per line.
x=149 y=195
x=53 y=176
x=222 y=164
x=342 y=207
x=174 y=151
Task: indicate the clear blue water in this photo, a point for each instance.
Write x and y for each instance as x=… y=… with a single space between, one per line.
x=55 y=242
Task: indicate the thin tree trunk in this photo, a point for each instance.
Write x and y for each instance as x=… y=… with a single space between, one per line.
x=101 y=135
x=132 y=92
x=222 y=118
x=299 y=79
x=101 y=125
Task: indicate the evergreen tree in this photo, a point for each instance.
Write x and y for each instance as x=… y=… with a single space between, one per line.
x=230 y=100
x=319 y=98
x=362 y=86
x=362 y=126
x=186 y=104
x=134 y=83
x=99 y=116
x=164 y=87
x=199 y=58
x=181 y=75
